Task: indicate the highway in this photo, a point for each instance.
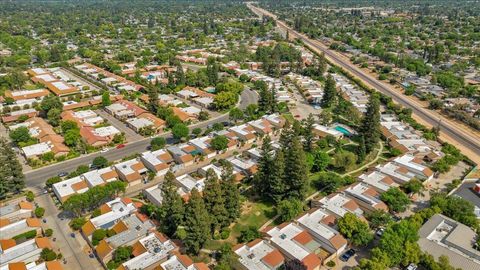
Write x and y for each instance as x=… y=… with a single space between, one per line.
x=35 y=179
x=450 y=131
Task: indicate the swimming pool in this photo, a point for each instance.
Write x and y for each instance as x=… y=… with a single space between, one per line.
x=343 y=130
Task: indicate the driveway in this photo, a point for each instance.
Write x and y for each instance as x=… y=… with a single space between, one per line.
x=130 y=134
x=72 y=249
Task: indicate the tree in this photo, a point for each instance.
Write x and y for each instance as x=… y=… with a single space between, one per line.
x=225 y=100
x=455 y=207
x=53 y=116
x=157 y=143
x=379 y=218
x=98 y=235
x=265 y=166
x=20 y=134
x=295 y=264
x=219 y=143
x=106 y=99
x=231 y=194
x=414 y=186
x=344 y=160
x=172 y=208
x=330 y=93
x=307 y=132
x=249 y=234
x=321 y=160
x=51 y=102
x=153 y=100
x=354 y=229
x=39 y=212
x=100 y=162
x=48 y=255
x=180 y=131
x=122 y=253
x=370 y=126
x=77 y=223
x=289 y=209
x=329 y=182
x=212 y=71
x=10 y=171
x=361 y=150
x=214 y=200
x=396 y=200
x=72 y=137
x=235 y=114
x=197 y=223
x=295 y=174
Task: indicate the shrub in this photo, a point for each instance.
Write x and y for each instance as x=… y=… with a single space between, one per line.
x=39 y=212
x=26 y=235
x=225 y=233
x=48 y=232
x=77 y=223
x=30 y=196
x=48 y=255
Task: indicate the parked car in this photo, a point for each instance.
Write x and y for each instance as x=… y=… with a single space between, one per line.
x=62 y=174
x=120 y=146
x=104 y=150
x=379 y=232
x=412 y=266
x=72 y=235
x=347 y=255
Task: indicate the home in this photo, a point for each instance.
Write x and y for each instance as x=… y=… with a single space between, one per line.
x=188 y=182
x=16 y=211
x=131 y=171
x=37 y=94
x=237 y=174
x=9 y=230
x=149 y=252
x=157 y=161
x=379 y=181
x=27 y=252
x=321 y=225
x=202 y=145
x=247 y=166
x=61 y=88
x=124 y=109
x=323 y=131
x=339 y=204
x=297 y=243
x=182 y=115
x=50 y=265
x=14 y=116
x=110 y=214
x=245 y=133
x=146 y=120
x=183 y=154
x=275 y=119
x=367 y=197
x=259 y=255
x=154 y=194
x=182 y=262
x=398 y=173
x=415 y=166
x=261 y=126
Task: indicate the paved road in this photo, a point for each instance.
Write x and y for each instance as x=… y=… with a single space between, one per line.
x=35 y=179
x=455 y=134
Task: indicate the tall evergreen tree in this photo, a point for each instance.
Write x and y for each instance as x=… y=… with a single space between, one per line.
x=264 y=166
x=212 y=71
x=276 y=182
x=11 y=175
x=308 y=135
x=172 y=209
x=179 y=74
x=361 y=150
x=214 y=200
x=152 y=99
x=329 y=93
x=370 y=126
x=296 y=172
x=197 y=223
x=231 y=194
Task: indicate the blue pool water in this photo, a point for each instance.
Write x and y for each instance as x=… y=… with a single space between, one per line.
x=343 y=130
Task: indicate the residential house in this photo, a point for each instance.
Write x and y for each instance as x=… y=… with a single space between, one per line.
x=379 y=181
x=367 y=197
x=259 y=255
x=131 y=171
x=339 y=204
x=16 y=211
x=27 y=252
x=157 y=161
x=11 y=229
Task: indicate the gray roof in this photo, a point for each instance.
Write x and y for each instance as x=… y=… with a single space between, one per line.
x=441 y=235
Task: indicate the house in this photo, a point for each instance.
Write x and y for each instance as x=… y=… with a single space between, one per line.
x=259 y=255
x=111 y=213
x=182 y=262
x=37 y=94
x=149 y=252
x=127 y=231
x=183 y=154
x=124 y=109
x=146 y=120
x=441 y=235
x=275 y=119
x=367 y=197
x=187 y=183
x=397 y=173
x=36 y=150
x=320 y=225
x=245 y=133
x=27 y=252
x=379 y=181
x=61 y=88
x=339 y=204
x=261 y=126
x=100 y=136
x=50 y=265
x=154 y=194
x=202 y=145
x=157 y=161
x=14 y=116
x=297 y=243
x=80 y=184
x=17 y=211
x=246 y=166
x=237 y=174
x=131 y=171
x=322 y=131
x=8 y=229
x=415 y=166
x=182 y=115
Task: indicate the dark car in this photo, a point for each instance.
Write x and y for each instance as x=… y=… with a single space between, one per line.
x=120 y=146
x=72 y=235
x=62 y=174
x=347 y=255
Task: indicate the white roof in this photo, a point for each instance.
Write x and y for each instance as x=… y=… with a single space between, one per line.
x=393 y=170
x=375 y=179
x=327 y=130
x=283 y=237
x=191 y=110
x=335 y=204
x=64 y=188
x=106 y=131
x=37 y=149
x=61 y=85
x=126 y=167
x=358 y=191
x=156 y=250
x=16 y=252
x=139 y=123
x=152 y=157
x=313 y=222
x=251 y=257
x=407 y=161
x=39 y=70
x=188 y=183
x=94 y=177
x=85 y=114
x=118 y=211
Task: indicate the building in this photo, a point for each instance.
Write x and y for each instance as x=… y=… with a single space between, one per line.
x=183 y=154
x=111 y=213
x=124 y=109
x=321 y=225
x=79 y=184
x=51 y=265
x=245 y=133
x=367 y=197
x=17 y=211
x=415 y=166
x=182 y=262
x=246 y=166
x=149 y=252
x=131 y=171
x=323 y=131
x=261 y=126
x=27 y=252
x=397 y=173
x=259 y=255
x=157 y=161
x=10 y=230
x=23 y=95
x=202 y=145
x=188 y=182
x=297 y=243
x=441 y=235
x=146 y=120
x=339 y=204
x=379 y=181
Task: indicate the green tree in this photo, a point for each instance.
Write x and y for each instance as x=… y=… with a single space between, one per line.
x=157 y=143
x=48 y=255
x=295 y=174
x=344 y=160
x=379 y=218
x=249 y=234
x=77 y=223
x=329 y=93
x=197 y=223
x=414 y=186
x=225 y=100
x=39 y=212
x=289 y=209
x=106 y=99
x=361 y=150
x=10 y=171
x=307 y=132
x=53 y=116
x=214 y=200
x=321 y=160
x=172 y=208
x=180 y=131
x=354 y=229
x=396 y=200
x=20 y=134
x=100 y=162
x=219 y=142
x=235 y=114
x=370 y=126
x=231 y=194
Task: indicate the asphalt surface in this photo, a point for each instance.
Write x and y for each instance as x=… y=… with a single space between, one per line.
x=35 y=179
x=447 y=127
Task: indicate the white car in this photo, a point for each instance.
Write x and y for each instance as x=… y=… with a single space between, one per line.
x=104 y=150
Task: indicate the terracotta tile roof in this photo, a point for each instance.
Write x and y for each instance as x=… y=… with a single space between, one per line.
x=428 y=172
x=351 y=205
x=7 y=243
x=88 y=228
x=43 y=242
x=387 y=180
x=17 y=266
x=329 y=220
x=4 y=222
x=201 y=266
x=184 y=259
x=338 y=241
x=27 y=95
x=181 y=114
x=303 y=238
x=120 y=227
x=371 y=192
x=311 y=261
x=104 y=208
x=138 y=249
x=254 y=242
x=54 y=265
x=402 y=170
x=141 y=216
x=274 y=258
x=103 y=249
x=33 y=222
x=109 y=175
x=127 y=200
x=80 y=185
x=25 y=205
